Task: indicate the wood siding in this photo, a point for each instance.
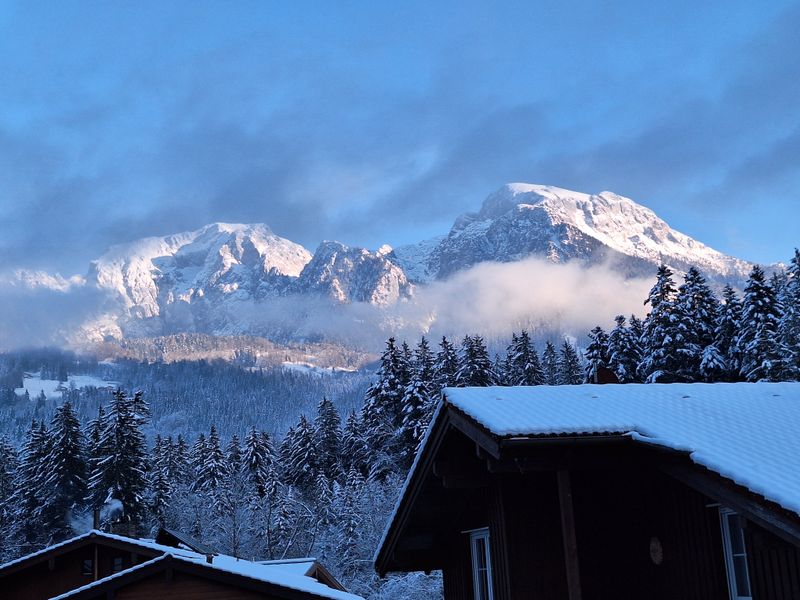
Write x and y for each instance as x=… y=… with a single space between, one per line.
x=184 y=587
x=621 y=512
x=40 y=581
x=774 y=566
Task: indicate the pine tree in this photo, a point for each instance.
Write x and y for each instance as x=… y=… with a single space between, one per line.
x=355 y=454
x=256 y=461
x=475 y=367
x=65 y=484
x=119 y=471
x=624 y=353
x=726 y=333
x=550 y=364
x=597 y=354
x=233 y=455
x=660 y=338
x=27 y=498
x=789 y=326
x=328 y=439
x=197 y=458
x=762 y=353
x=696 y=313
x=303 y=461
x=569 y=365
x=418 y=403
x=383 y=406
x=8 y=471
x=522 y=362
x=214 y=467
x=712 y=364
x=445 y=365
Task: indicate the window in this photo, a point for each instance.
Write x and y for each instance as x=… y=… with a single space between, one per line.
x=87 y=567
x=735 y=555
x=117 y=564
x=481 y=564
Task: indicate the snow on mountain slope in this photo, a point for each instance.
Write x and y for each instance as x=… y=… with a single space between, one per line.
x=521 y=220
x=354 y=275
x=245 y=261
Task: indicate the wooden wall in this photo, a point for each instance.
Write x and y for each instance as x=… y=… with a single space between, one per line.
x=40 y=581
x=774 y=566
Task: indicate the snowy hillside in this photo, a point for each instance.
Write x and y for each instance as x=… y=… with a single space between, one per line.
x=521 y=220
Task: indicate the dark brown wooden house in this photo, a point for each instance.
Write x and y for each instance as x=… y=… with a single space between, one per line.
x=594 y=492
x=100 y=565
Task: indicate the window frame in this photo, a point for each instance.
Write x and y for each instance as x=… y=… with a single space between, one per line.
x=730 y=565
x=474 y=536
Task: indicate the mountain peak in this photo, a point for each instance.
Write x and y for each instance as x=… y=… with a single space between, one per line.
x=524 y=219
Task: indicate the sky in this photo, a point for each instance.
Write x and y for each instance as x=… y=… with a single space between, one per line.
x=378 y=122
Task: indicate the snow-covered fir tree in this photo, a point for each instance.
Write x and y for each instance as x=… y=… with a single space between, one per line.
x=119 y=469
x=522 y=365
x=789 y=326
x=696 y=313
x=550 y=364
x=445 y=365
x=597 y=354
x=570 y=370
x=475 y=367
x=65 y=484
x=661 y=338
x=328 y=439
x=418 y=401
x=726 y=333
x=763 y=355
x=624 y=352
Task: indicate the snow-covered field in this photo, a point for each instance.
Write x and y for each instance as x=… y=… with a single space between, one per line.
x=52 y=388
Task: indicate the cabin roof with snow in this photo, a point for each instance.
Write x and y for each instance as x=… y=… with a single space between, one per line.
x=742 y=434
x=156 y=557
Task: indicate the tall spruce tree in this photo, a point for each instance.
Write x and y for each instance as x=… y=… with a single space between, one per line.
x=597 y=354
x=65 y=484
x=726 y=333
x=762 y=352
x=27 y=497
x=789 y=326
x=119 y=471
x=696 y=313
x=445 y=365
x=328 y=439
x=475 y=367
x=570 y=371
x=550 y=364
x=661 y=361
x=624 y=352
x=523 y=366
x=418 y=401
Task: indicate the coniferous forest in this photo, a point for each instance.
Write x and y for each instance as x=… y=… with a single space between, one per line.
x=325 y=484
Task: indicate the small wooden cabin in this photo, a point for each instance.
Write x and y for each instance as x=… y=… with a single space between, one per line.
x=664 y=491
x=99 y=565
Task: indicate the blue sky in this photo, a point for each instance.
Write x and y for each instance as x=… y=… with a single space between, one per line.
x=378 y=122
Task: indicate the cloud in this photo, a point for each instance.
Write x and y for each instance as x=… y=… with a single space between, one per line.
x=490 y=299
x=44 y=311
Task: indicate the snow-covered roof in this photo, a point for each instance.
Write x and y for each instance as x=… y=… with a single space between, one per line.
x=283 y=575
x=300 y=566
x=746 y=432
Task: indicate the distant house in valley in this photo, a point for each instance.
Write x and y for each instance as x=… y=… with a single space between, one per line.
x=99 y=565
x=664 y=491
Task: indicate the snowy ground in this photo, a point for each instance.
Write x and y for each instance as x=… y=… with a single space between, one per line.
x=310 y=369
x=52 y=388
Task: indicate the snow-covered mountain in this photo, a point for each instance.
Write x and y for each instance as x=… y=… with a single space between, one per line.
x=226 y=279
x=522 y=220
